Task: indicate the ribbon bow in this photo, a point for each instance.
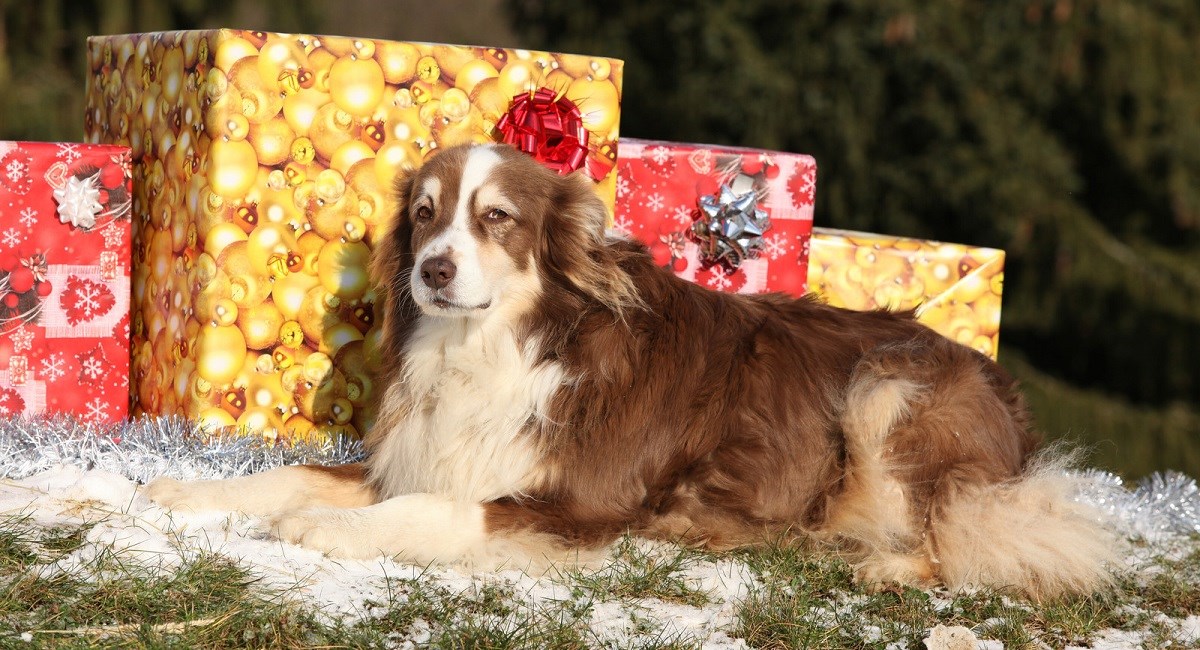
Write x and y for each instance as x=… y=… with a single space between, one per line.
x=730 y=227
x=548 y=128
x=79 y=201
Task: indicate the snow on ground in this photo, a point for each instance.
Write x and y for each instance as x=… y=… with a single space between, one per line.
x=141 y=531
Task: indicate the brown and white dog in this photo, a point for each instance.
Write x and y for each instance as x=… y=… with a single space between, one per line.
x=546 y=389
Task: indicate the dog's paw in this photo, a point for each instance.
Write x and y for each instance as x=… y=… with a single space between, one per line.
x=336 y=533
x=168 y=493
x=887 y=571
x=193 y=496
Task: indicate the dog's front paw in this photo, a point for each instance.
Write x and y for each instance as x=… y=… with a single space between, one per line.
x=173 y=495
x=193 y=496
x=336 y=533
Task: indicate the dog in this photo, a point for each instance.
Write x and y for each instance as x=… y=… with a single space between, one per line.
x=547 y=388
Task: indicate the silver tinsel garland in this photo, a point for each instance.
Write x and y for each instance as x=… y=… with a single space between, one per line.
x=1160 y=505
x=147 y=447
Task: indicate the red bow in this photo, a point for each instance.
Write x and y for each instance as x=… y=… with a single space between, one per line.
x=551 y=130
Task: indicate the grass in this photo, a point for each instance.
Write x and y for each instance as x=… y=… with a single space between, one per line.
x=799 y=600
x=807 y=601
x=638 y=570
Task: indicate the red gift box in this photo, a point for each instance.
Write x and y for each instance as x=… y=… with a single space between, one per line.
x=728 y=218
x=64 y=280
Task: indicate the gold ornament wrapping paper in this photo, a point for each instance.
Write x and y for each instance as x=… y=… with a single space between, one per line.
x=263 y=169
x=955 y=289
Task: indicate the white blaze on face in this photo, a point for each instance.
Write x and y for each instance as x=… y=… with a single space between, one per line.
x=471 y=286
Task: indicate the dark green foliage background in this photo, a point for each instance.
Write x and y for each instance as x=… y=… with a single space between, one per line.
x=1065 y=131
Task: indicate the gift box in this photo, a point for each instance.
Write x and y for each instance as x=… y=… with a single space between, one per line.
x=955 y=289
x=728 y=218
x=264 y=165
x=64 y=280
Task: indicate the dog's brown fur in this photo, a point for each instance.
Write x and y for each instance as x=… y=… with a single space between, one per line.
x=726 y=420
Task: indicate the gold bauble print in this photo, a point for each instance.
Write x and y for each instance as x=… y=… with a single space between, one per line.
x=336 y=336
x=356 y=85
x=374 y=203
x=519 y=77
x=473 y=72
x=288 y=292
x=261 y=421
x=351 y=360
x=291 y=337
x=348 y=154
x=970 y=288
x=300 y=109
x=260 y=325
x=279 y=62
x=598 y=102
x=340 y=411
x=489 y=98
x=393 y=158
x=398 y=61
x=223 y=312
x=272 y=141
x=161 y=258
x=221 y=236
x=299 y=428
x=560 y=82
x=232 y=50
x=233 y=166
x=249 y=284
x=329 y=217
x=172 y=75
x=342 y=268
x=331 y=128
x=269 y=245
x=220 y=352
x=260 y=102
x=318 y=311
x=215 y=419
x=404 y=124
x=451 y=59
x=310 y=247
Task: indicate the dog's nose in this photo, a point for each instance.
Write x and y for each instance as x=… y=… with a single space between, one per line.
x=437 y=272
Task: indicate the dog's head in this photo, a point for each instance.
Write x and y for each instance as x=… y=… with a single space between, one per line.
x=485 y=230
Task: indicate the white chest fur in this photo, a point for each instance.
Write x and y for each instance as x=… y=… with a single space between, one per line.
x=468 y=394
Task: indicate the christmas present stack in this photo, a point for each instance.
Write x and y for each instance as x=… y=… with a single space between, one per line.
x=728 y=218
x=263 y=165
x=740 y=220
x=64 y=280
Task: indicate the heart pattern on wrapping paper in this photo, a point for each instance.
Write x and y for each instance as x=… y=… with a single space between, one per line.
x=57 y=175
x=14 y=172
x=701 y=161
x=84 y=300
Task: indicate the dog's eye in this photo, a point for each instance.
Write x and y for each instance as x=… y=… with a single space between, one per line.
x=424 y=213
x=496 y=214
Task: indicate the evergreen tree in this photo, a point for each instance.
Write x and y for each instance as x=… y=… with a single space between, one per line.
x=1064 y=131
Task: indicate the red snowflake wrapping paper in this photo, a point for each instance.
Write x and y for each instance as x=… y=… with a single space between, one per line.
x=659 y=188
x=64 y=280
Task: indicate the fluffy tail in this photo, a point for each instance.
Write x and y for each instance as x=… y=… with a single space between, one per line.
x=1028 y=533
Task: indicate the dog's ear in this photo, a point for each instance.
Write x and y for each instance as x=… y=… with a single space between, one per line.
x=575 y=247
x=392 y=242
x=391 y=264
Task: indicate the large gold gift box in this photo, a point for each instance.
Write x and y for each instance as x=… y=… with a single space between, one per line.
x=263 y=165
x=955 y=289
